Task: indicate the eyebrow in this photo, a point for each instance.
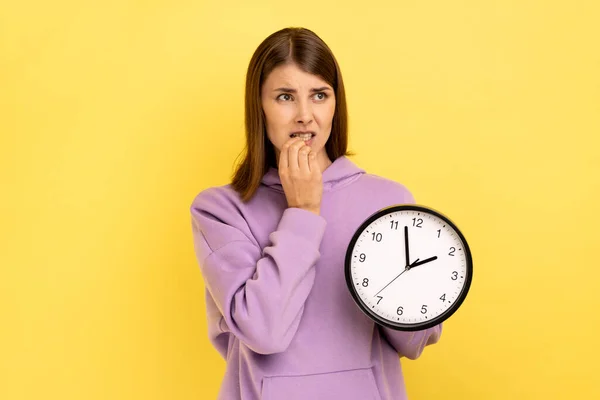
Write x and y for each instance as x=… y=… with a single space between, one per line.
x=290 y=90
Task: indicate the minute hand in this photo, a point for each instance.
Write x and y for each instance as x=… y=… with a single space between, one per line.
x=416 y=263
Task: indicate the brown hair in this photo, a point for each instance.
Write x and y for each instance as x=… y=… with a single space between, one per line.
x=305 y=49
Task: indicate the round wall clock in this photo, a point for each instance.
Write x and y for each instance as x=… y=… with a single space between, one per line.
x=408 y=267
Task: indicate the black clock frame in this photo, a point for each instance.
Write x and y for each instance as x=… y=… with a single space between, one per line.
x=401 y=326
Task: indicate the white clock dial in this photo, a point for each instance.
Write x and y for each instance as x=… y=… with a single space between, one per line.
x=408 y=267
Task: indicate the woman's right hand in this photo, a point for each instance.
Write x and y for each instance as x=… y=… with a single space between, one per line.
x=300 y=176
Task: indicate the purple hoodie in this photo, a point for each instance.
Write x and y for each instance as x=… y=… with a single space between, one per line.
x=279 y=310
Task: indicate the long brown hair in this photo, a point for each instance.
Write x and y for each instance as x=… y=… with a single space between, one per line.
x=304 y=48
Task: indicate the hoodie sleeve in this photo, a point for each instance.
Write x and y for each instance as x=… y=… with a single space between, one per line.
x=259 y=292
x=410 y=344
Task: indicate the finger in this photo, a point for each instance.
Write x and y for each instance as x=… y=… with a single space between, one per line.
x=283 y=154
x=303 y=155
x=312 y=163
x=293 y=155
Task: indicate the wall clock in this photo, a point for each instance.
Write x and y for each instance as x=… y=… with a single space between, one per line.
x=408 y=267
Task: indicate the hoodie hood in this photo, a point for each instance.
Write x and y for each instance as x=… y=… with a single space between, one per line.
x=340 y=173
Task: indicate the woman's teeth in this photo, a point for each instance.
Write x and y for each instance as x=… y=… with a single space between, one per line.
x=304 y=136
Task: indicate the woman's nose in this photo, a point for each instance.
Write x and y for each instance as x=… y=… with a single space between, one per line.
x=304 y=112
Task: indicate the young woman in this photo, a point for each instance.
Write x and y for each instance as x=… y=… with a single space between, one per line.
x=271 y=244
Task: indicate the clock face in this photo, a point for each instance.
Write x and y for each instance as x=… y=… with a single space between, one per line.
x=408 y=267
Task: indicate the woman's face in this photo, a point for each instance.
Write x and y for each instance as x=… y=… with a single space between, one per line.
x=295 y=101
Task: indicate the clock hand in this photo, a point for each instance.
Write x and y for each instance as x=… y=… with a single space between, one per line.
x=406 y=253
x=414 y=264
x=405 y=269
x=417 y=262
x=406 y=245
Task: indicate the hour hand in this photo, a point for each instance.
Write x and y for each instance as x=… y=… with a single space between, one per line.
x=417 y=262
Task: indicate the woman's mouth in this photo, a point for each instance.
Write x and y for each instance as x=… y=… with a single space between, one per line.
x=303 y=136
x=307 y=137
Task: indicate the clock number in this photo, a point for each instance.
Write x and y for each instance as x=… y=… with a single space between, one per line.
x=424 y=309
x=394 y=224
x=439 y=232
x=399 y=311
x=377 y=237
x=362 y=257
x=417 y=222
x=454 y=275
x=443 y=298
x=380 y=298
x=365 y=282
x=452 y=250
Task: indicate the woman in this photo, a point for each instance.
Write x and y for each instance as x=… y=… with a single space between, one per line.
x=271 y=244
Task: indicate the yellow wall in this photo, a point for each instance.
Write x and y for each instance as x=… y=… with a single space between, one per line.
x=113 y=117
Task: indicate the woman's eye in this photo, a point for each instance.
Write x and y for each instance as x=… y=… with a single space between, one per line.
x=287 y=97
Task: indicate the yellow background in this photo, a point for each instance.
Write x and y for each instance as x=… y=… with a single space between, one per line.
x=114 y=114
